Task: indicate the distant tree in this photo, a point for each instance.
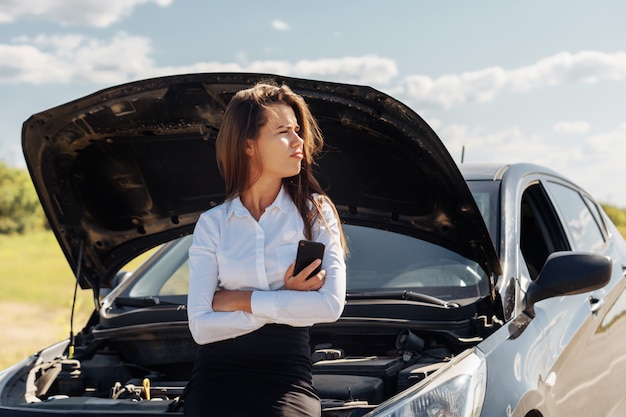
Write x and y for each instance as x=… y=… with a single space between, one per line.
x=20 y=210
x=617 y=215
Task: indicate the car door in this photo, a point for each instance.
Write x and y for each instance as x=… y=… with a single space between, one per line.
x=614 y=321
x=579 y=382
x=611 y=306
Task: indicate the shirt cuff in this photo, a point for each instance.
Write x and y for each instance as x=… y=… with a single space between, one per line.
x=263 y=303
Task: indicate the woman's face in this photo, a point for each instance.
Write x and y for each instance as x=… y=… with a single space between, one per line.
x=278 y=149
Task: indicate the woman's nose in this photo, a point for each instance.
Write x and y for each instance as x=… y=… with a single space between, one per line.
x=296 y=140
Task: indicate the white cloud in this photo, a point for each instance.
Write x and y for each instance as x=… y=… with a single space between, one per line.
x=447 y=91
x=71 y=57
x=96 y=13
x=610 y=146
x=579 y=127
x=482 y=146
x=594 y=162
x=368 y=70
x=603 y=169
x=126 y=57
x=587 y=67
x=280 y=25
x=64 y=58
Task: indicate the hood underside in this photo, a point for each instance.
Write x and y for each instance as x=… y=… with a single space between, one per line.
x=132 y=166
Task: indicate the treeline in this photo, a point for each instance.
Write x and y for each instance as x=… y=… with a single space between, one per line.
x=618 y=216
x=20 y=211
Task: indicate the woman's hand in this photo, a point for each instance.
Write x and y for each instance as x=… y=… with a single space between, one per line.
x=234 y=300
x=300 y=283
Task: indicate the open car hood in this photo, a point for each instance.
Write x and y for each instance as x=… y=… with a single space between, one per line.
x=132 y=166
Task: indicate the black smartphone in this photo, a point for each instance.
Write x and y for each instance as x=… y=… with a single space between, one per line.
x=308 y=251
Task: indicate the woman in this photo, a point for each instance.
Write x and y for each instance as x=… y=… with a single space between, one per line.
x=247 y=311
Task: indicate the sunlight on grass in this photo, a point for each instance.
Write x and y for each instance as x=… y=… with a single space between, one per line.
x=34 y=269
x=36 y=292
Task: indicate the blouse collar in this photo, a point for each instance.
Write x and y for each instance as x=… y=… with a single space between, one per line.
x=282 y=202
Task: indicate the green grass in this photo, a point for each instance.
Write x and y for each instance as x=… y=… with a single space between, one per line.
x=36 y=292
x=33 y=269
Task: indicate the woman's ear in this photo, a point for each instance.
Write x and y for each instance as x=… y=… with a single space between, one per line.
x=250 y=147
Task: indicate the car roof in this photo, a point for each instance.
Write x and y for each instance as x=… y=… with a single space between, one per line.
x=496 y=172
x=484 y=172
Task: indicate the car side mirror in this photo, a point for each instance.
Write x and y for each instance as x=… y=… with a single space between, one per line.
x=120 y=277
x=568 y=273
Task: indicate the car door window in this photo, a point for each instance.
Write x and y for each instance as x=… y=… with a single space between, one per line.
x=584 y=228
x=595 y=212
x=540 y=230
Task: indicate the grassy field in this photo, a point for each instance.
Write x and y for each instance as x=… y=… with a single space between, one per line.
x=36 y=292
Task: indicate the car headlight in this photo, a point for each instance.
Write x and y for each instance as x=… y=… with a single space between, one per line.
x=457 y=391
x=10 y=374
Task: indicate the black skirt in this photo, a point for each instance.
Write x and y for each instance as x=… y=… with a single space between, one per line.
x=264 y=373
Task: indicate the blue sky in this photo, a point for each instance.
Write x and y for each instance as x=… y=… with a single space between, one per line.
x=511 y=81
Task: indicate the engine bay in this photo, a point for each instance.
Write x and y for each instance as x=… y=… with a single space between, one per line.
x=353 y=370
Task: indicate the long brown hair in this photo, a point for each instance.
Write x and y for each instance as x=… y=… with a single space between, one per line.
x=245 y=114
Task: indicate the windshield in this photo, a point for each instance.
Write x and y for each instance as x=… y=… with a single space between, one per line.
x=379 y=261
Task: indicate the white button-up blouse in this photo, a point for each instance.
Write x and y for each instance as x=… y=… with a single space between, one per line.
x=231 y=250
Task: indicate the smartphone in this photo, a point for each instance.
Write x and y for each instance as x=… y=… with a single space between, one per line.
x=308 y=251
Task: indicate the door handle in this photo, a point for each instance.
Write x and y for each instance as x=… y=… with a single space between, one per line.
x=595 y=304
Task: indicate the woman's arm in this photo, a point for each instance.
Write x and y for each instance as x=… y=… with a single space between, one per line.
x=206 y=323
x=233 y=300
x=304 y=308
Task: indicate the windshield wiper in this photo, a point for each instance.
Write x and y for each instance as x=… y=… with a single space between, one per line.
x=401 y=295
x=142 y=302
